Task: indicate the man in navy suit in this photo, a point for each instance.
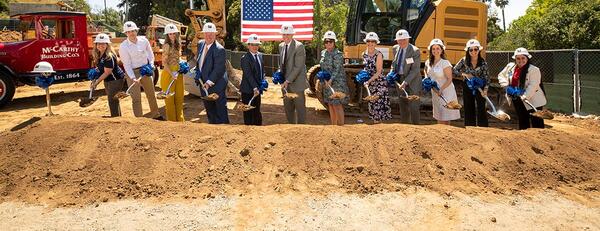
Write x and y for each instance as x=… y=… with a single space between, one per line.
x=211 y=70
x=252 y=66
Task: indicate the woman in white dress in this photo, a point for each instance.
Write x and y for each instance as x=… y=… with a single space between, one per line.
x=440 y=70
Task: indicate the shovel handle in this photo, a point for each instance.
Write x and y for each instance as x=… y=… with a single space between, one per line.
x=405 y=93
x=169 y=87
x=250 y=102
x=130 y=86
x=529 y=103
x=367 y=87
x=48 y=101
x=332 y=91
x=488 y=100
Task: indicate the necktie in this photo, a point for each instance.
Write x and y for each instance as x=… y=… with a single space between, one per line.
x=400 y=58
x=284 y=60
x=203 y=55
x=257 y=63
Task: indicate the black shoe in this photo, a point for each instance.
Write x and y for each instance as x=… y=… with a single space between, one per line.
x=159 y=118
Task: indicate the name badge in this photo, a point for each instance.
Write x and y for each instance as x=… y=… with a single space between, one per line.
x=410 y=61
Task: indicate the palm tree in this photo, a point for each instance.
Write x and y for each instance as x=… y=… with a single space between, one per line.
x=502 y=4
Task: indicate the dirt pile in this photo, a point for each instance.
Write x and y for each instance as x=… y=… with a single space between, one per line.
x=80 y=160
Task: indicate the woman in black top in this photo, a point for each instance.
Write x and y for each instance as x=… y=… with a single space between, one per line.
x=474 y=70
x=106 y=63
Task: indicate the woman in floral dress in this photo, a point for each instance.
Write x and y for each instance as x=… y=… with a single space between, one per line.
x=379 y=110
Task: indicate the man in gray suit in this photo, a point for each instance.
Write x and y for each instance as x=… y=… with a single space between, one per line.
x=407 y=64
x=293 y=67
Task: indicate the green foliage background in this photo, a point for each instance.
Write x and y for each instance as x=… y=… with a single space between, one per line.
x=554 y=24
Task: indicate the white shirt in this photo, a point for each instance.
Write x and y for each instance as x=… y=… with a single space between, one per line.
x=201 y=60
x=135 y=55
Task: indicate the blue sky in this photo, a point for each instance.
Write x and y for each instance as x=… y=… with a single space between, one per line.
x=514 y=10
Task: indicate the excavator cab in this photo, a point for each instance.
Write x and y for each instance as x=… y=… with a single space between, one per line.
x=383 y=17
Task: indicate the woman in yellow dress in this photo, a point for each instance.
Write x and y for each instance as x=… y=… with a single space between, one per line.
x=170 y=59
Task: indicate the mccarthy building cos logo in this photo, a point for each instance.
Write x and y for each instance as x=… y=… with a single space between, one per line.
x=58 y=52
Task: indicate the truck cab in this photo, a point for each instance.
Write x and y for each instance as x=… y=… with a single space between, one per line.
x=59 y=38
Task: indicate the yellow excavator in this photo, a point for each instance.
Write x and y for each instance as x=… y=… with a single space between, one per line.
x=453 y=21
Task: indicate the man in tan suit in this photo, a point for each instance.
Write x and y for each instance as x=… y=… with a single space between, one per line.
x=293 y=67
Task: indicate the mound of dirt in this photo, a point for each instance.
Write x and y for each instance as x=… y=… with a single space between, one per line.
x=79 y=160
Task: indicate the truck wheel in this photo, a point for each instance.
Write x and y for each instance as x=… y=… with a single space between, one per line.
x=7 y=88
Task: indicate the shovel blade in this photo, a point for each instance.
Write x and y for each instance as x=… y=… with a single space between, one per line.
x=500 y=116
x=86 y=102
x=543 y=114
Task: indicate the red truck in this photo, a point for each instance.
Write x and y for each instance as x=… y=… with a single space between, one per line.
x=60 y=38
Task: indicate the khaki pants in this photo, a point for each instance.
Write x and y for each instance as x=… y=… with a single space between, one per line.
x=136 y=96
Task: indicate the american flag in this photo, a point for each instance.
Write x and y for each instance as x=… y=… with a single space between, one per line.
x=265 y=17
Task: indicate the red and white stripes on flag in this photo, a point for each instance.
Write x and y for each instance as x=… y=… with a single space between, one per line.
x=265 y=17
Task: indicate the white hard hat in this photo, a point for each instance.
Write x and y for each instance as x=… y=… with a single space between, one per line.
x=287 y=29
x=473 y=43
x=521 y=51
x=209 y=28
x=330 y=35
x=171 y=28
x=129 y=26
x=253 y=39
x=402 y=34
x=372 y=36
x=102 y=38
x=43 y=67
x=436 y=42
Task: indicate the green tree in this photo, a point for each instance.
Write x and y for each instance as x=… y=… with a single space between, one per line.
x=111 y=17
x=554 y=24
x=4 y=8
x=502 y=4
x=493 y=30
x=82 y=6
x=329 y=15
x=138 y=11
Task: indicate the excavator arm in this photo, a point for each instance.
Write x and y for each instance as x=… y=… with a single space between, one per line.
x=215 y=13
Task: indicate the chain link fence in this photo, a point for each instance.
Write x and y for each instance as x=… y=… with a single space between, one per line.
x=571 y=78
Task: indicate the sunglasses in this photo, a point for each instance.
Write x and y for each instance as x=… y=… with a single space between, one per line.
x=329 y=41
x=473 y=49
x=371 y=41
x=520 y=58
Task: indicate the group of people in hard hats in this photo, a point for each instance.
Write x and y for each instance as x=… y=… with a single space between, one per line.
x=521 y=79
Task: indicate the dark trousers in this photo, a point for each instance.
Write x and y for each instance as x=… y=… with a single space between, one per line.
x=111 y=88
x=526 y=120
x=474 y=106
x=216 y=111
x=252 y=117
x=409 y=110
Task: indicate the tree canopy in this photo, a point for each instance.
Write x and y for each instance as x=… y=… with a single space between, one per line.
x=554 y=24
